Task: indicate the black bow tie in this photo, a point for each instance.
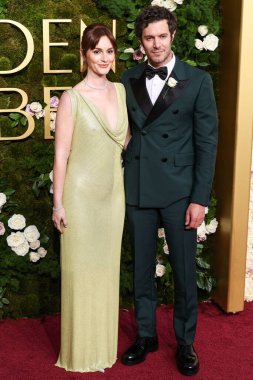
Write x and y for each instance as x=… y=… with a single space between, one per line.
x=151 y=72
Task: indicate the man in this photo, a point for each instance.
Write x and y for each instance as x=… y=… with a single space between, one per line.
x=169 y=165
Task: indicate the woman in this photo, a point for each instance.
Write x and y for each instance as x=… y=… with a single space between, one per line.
x=91 y=130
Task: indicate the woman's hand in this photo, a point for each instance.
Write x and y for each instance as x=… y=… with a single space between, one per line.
x=59 y=219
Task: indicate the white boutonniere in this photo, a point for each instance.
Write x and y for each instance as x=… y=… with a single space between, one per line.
x=172 y=82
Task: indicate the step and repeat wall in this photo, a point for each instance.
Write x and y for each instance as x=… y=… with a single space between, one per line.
x=39 y=59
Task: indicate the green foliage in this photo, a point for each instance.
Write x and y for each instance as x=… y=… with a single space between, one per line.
x=70 y=61
x=16 y=270
x=205 y=276
x=3 y=8
x=3 y=300
x=17 y=119
x=5 y=64
x=190 y=15
x=165 y=285
x=117 y=8
x=41 y=182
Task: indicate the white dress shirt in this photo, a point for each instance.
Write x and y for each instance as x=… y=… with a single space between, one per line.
x=155 y=84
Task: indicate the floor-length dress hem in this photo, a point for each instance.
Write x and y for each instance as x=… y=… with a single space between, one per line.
x=98 y=368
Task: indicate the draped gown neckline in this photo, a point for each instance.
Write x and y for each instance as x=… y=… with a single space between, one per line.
x=101 y=114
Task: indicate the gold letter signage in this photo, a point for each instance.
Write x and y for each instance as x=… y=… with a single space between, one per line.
x=29 y=117
x=47 y=44
x=30 y=46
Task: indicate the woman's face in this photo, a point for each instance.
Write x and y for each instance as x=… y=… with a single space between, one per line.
x=100 y=59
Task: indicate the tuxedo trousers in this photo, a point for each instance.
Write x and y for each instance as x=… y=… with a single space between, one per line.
x=143 y=226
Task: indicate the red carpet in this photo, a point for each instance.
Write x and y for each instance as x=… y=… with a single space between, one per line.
x=224 y=343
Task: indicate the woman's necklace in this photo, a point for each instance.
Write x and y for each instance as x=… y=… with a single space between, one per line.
x=96 y=88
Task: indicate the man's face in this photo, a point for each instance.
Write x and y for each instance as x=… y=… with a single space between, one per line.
x=156 y=40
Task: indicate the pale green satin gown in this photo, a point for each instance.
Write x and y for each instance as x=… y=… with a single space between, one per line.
x=90 y=246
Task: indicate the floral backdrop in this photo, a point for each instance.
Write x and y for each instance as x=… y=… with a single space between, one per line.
x=29 y=245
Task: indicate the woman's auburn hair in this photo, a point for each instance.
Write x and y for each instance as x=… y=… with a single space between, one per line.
x=92 y=35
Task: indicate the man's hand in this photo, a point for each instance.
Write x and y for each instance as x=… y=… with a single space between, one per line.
x=194 y=216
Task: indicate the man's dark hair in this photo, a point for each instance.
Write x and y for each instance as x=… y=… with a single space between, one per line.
x=153 y=14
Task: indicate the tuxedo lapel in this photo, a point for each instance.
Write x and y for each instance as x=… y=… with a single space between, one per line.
x=166 y=97
x=141 y=94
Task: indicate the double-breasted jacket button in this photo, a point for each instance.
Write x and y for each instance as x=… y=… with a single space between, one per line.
x=165 y=135
x=143 y=133
x=164 y=159
x=175 y=111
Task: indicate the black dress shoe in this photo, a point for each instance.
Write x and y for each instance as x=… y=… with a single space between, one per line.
x=187 y=360
x=138 y=351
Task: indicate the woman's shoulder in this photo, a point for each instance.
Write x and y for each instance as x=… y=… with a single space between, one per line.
x=120 y=87
x=72 y=91
x=118 y=84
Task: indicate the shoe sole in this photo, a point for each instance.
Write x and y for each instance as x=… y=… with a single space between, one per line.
x=189 y=372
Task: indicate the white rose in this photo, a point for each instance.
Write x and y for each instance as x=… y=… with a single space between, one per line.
x=201 y=232
x=31 y=233
x=248 y=293
x=169 y=4
x=166 y=249
x=51 y=175
x=17 y=222
x=129 y=50
x=54 y=102
x=141 y=48
x=159 y=3
x=212 y=226
x=161 y=233
x=210 y=42
x=35 y=244
x=21 y=249
x=42 y=252
x=180 y=2
x=199 y=44
x=160 y=270
x=172 y=82
x=51 y=190
x=27 y=109
x=203 y=30
x=52 y=115
x=34 y=256
x=2 y=199
x=249 y=270
x=35 y=107
x=52 y=121
x=2 y=229
x=40 y=114
x=52 y=125
x=15 y=239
